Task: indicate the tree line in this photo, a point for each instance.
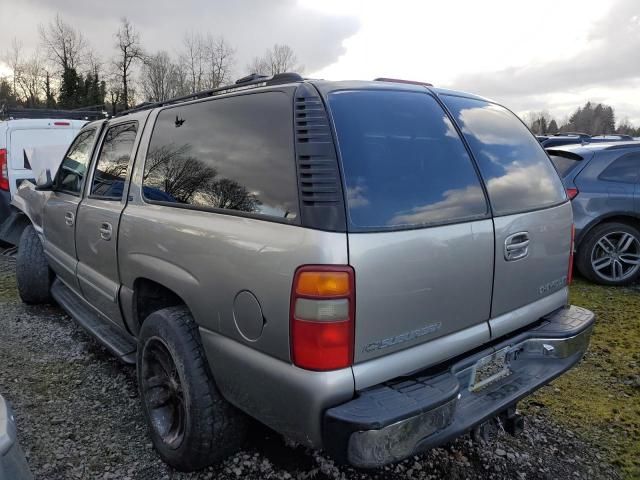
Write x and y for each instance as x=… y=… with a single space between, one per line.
x=591 y=118
x=66 y=72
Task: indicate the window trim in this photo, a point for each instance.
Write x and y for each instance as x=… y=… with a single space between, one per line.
x=94 y=165
x=96 y=134
x=351 y=228
x=296 y=221
x=627 y=154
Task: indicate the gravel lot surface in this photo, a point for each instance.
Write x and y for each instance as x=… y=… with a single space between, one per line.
x=79 y=417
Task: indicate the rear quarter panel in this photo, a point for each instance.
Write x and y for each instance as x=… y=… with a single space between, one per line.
x=208 y=258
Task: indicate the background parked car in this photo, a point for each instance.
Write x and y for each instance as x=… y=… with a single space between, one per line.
x=602 y=181
x=569 y=138
x=21 y=132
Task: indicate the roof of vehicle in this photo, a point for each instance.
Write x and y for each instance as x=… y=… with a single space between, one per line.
x=38 y=123
x=583 y=149
x=324 y=86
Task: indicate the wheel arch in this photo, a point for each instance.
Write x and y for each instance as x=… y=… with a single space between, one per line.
x=613 y=217
x=148 y=295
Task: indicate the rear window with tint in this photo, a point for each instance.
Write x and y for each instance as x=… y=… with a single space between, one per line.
x=564 y=163
x=515 y=168
x=404 y=163
x=625 y=169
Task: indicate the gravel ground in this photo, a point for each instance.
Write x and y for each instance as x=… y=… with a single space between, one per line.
x=79 y=417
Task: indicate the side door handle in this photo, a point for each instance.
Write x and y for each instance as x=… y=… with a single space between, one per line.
x=516 y=246
x=69 y=218
x=105 y=231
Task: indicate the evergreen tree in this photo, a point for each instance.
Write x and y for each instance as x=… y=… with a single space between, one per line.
x=69 y=88
x=552 y=128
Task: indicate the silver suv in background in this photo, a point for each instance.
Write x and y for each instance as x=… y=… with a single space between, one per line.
x=373 y=268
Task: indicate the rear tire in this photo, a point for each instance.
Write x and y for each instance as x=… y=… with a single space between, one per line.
x=191 y=425
x=33 y=275
x=606 y=253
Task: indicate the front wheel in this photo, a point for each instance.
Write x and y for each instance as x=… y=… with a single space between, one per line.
x=610 y=254
x=33 y=275
x=191 y=424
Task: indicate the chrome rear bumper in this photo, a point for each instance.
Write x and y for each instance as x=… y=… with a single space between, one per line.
x=397 y=419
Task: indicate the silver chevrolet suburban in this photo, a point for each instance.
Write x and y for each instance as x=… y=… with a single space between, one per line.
x=368 y=267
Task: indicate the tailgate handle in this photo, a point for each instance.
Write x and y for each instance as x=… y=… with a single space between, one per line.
x=516 y=246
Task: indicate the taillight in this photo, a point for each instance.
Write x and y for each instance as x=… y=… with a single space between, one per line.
x=4 y=172
x=571 y=248
x=61 y=124
x=322 y=316
x=571 y=193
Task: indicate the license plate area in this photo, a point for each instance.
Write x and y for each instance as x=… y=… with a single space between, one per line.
x=490 y=369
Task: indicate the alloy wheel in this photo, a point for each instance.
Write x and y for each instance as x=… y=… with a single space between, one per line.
x=616 y=256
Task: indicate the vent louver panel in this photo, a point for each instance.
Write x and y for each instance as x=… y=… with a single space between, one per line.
x=318 y=174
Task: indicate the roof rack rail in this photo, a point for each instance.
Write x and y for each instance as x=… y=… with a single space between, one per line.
x=253 y=80
x=36 y=113
x=399 y=80
x=572 y=134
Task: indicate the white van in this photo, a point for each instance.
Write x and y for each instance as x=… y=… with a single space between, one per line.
x=18 y=138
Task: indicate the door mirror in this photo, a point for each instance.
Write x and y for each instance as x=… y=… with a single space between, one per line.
x=44 y=182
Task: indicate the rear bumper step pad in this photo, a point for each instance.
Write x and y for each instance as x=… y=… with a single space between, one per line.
x=400 y=418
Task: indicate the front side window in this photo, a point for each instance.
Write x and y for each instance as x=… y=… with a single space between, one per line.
x=625 y=169
x=113 y=161
x=518 y=174
x=74 y=166
x=404 y=164
x=233 y=153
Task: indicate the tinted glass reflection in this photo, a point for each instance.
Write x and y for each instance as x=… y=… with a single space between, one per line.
x=625 y=169
x=232 y=153
x=113 y=162
x=74 y=166
x=518 y=174
x=404 y=163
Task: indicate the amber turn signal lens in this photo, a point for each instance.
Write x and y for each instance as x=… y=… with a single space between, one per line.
x=323 y=284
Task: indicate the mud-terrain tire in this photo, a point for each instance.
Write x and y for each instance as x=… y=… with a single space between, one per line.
x=190 y=423
x=591 y=254
x=33 y=275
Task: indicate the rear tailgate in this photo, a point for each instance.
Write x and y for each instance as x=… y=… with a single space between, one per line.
x=420 y=231
x=21 y=139
x=532 y=217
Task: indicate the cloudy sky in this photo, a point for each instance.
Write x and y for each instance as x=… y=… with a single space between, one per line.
x=544 y=55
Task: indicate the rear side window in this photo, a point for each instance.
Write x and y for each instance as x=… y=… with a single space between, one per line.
x=113 y=161
x=624 y=169
x=74 y=165
x=515 y=168
x=564 y=161
x=233 y=153
x=404 y=164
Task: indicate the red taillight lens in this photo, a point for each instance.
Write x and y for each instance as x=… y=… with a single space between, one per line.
x=4 y=172
x=571 y=193
x=61 y=124
x=571 y=246
x=322 y=316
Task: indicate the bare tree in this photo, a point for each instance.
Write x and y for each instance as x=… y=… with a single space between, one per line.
x=219 y=60
x=65 y=46
x=193 y=58
x=129 y=51
x=160 y=78
x=279 y=59
x=13 y=58
x=30 y=81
